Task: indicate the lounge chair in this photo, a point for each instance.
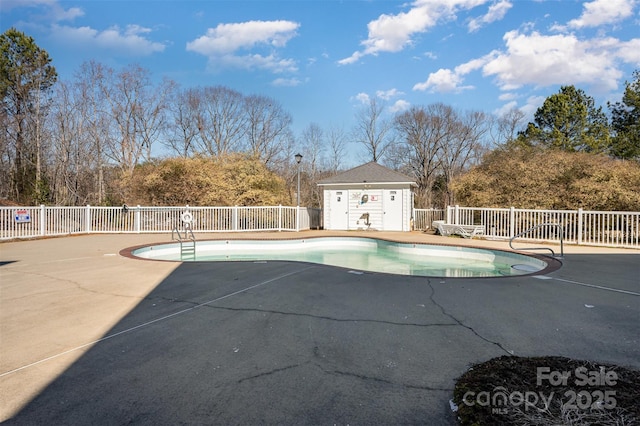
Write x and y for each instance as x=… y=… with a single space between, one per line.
x=466 y=231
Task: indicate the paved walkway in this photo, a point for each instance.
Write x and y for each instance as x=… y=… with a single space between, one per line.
x=90 y=337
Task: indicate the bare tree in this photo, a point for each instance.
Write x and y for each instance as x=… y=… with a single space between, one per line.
x=373 y=131
x=461 y=145
x=221 y=120
x=67 y=158
x=337 y=145
x=183 y=122
x=505 y=128
x=313 y=148
x=93 y=111
x=6 y=157
x=153 y=114
x=422 y=135
x=267 y=127
x=136 y=108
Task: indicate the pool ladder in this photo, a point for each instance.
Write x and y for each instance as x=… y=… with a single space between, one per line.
x=186 y=239
x=533 y=228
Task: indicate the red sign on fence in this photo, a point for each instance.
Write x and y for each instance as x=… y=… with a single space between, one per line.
x=23 y=216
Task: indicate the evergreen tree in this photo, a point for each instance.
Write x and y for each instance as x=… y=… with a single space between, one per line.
x=26 y=75
x=570 y=121
x=625 y=121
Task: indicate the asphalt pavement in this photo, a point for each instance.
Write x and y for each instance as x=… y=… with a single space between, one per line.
x=92 y=337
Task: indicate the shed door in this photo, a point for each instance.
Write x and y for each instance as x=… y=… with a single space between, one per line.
x=339 y=210
x=393 y=213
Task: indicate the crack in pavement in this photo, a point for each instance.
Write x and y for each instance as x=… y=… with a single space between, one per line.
x=328 y=318
x=383 y=381
x=377 y=380
x=460 y=323
x=75 y=284
x=270 y=372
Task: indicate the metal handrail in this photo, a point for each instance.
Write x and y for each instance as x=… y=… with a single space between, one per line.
x=188 y=236
x=533 y=228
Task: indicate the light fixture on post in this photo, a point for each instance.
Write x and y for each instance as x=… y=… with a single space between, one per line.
x=298 y=160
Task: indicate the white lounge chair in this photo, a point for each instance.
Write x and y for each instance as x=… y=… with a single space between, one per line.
x=466 y=231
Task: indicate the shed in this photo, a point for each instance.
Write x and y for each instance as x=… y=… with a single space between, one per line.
x=369 y=196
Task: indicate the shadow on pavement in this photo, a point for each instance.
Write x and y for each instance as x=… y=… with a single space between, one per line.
x=293 y=343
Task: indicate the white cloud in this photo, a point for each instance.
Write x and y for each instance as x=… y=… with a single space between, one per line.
x=221 y=43
x=508 y=96
x=58 y=13
x=504 y=109
x=129 y=41
x=54 y=11
x=250 y=62
x=388 y=94
x=286 y=82
x=7 y=5
x=399 y=106
x=392 y=33
x=227 y=38
x=600 y=12
x=361 y=97
x=528 y=109
x=629 y=51
x=496 y=12
x=472 y=65
x=442 y=81
x=544 y=60
x=532 y=105
x=445 y=80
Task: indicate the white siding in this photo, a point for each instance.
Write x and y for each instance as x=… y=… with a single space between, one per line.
x=373 y=204
x=408 y=209
x=326 y=211
x=365 y=201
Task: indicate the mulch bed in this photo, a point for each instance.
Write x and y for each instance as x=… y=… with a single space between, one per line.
x=541 y=391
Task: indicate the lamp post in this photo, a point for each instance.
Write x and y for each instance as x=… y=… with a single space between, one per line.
x=298 y=160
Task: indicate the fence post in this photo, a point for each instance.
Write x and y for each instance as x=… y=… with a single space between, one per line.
x=456 y=214
x=234 y=218
x=298 y=219
x=279 y=217
x=87 y=219
x=512 y=222
x=43 y=221
x=579 y=237
x=136 y=220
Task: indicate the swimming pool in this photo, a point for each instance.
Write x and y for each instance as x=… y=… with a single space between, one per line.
x=359 y=254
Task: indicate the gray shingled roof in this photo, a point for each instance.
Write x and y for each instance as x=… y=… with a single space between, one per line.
x=370 y=172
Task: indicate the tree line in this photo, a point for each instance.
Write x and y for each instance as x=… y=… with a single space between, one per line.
x=95 y=139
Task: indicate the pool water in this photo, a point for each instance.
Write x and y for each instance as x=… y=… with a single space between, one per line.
x=359 y=254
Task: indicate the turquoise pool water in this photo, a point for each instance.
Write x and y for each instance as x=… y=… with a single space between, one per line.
x=358 y=254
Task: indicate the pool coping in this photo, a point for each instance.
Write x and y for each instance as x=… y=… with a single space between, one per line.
x=553 y=264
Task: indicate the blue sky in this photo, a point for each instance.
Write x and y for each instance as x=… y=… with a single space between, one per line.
x=321 y=59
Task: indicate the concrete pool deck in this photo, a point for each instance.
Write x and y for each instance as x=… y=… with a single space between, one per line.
x=89 y=336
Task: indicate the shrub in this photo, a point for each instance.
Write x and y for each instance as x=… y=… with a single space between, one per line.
x=525 y=177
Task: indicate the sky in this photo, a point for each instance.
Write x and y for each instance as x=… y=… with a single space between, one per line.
x=323 y=60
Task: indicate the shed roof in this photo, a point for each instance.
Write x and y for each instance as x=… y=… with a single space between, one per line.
x=368 y=173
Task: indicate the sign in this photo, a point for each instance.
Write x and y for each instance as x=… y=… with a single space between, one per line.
x=23 y=216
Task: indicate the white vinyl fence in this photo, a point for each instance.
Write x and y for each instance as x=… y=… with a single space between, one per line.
x=423 y=218
x=41 y=221
x=612 y=229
